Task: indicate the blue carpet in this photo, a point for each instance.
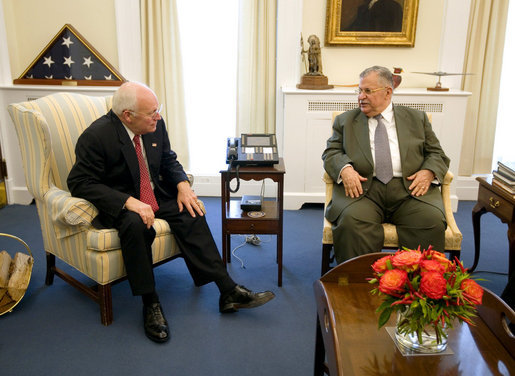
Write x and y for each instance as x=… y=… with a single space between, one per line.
x=55 y=330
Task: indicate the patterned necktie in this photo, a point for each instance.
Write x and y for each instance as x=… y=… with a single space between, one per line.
x=146 y=194
x=384 y=171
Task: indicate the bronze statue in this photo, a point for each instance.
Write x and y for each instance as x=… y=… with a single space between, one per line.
x=314 y=79
x=314 y=55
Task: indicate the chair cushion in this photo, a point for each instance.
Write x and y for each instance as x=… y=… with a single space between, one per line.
x=108 y=240
x=390 y=235
x=391 y=240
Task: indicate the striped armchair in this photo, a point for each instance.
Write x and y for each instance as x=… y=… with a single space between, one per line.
x=48 y=129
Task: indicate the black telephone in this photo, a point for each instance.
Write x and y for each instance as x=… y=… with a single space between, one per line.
x=252 y=150
x=232 y=148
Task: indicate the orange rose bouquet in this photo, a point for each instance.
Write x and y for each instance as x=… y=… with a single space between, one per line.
x=426 y=290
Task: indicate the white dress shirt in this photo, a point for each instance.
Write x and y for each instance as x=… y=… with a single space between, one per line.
x=391 y=129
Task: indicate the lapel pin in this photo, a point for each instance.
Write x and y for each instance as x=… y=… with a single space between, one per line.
x=154 y=145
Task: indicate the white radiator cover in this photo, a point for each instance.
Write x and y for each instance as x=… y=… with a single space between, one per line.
x=307 y=126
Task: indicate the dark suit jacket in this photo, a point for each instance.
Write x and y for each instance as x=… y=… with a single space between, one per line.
x=384 y=16
x=106 y=170
x=350 y=143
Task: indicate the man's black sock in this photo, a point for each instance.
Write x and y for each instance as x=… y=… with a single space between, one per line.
x=225 y=284
x=150 y=298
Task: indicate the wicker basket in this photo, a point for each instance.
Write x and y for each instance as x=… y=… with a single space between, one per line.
x=11 y=295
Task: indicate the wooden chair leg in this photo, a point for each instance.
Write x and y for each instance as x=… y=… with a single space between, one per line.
x=326 y=257
x=105 y=300
x=50 y=267
x=453 y=254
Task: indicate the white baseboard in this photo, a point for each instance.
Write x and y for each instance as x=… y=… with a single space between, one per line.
x=17 y=195
x=467 y=187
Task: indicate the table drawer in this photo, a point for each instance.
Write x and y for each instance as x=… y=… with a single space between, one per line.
x=243 y=226
x=497 y=204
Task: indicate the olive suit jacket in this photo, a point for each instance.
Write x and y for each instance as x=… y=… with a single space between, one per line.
x=350 y=144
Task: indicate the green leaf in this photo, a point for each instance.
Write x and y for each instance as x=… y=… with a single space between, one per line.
x=385 y=316
x=385 y=304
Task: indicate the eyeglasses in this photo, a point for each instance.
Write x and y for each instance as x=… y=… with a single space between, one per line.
x=368 y=91
x=153 y=115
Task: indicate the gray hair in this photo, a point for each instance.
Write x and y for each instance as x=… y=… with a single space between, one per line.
x=384 y=74
x=126 y=97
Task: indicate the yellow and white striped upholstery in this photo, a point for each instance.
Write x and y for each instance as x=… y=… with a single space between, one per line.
x=48 y=129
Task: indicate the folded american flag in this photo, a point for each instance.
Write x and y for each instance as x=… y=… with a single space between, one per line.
x=70 y=57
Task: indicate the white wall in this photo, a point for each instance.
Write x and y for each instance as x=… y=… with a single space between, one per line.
x=435 y=31
x=31 y=24
x=439 y=45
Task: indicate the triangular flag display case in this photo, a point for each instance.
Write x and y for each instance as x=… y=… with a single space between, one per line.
x=70 y=60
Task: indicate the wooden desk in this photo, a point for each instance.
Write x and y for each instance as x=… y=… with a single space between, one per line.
x=347 y=328
x=236 y=221
x=501 y=204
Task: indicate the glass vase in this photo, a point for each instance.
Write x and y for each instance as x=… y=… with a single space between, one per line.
x=427 y=340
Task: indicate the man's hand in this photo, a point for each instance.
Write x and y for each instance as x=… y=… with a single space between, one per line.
x=351 y=181
x=421 y=182
x=186 y=198
x=144 y=210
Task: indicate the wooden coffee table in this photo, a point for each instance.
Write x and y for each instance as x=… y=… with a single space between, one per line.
x=350 y=343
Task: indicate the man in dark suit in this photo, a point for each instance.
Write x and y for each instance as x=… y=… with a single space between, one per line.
x=110 y=155
x=409 y=197
x=377 y=15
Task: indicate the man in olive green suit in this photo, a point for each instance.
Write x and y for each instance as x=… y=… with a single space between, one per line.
x=408 y=197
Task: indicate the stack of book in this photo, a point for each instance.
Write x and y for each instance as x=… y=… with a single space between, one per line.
x=504 y=177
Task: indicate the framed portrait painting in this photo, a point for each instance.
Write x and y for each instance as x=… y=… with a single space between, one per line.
x=371 y=22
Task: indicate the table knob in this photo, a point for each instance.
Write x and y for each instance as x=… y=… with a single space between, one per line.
x=494 y=204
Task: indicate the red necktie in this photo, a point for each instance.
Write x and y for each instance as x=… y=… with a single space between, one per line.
x=146 y=194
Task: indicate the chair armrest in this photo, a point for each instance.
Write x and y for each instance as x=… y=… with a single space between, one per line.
x=327 y=233
x=446 y=197
x=191 y=179
x=329 y=182
x=69 y=215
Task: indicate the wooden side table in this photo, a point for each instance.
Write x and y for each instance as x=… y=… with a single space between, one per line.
x=500 y=203
x=236 y=221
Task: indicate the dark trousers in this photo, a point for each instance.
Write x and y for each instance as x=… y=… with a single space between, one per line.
x=192 y=235
x=358 y=230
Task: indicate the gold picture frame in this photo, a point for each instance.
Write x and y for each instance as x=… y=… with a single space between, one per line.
x=356 y=22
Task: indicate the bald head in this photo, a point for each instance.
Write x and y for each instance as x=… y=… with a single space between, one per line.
x=137 y=107
x=130 y=95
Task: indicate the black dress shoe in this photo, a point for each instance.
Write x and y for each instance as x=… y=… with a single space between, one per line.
x=156 y=327
x=241 y=297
